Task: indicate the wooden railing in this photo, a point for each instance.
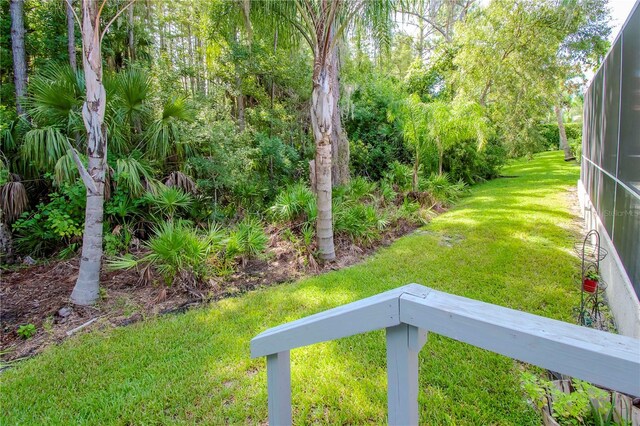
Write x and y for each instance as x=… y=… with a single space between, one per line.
x=408 y=313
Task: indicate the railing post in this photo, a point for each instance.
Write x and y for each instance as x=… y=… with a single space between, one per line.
x=279 y=388
x=403 y=344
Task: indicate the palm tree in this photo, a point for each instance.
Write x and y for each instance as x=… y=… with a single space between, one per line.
x=321 y=23
x=450 y=123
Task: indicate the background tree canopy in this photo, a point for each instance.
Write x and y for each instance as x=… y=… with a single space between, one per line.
x=208 y=111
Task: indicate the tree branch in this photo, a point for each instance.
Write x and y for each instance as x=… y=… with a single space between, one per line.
x=84 y=174
x=114 y=18
x=433 y=24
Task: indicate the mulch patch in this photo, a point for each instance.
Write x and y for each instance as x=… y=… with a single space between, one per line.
x=39 y=295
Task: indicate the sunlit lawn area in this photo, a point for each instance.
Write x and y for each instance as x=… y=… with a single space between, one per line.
x=508 y=243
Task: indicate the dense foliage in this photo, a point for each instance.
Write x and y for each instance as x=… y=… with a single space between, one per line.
x=209 y=135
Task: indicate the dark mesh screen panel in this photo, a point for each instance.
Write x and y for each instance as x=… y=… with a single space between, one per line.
x=611 y=146
x=611 y=109
x=629 y=171
x=627 y=234
x=606 y=192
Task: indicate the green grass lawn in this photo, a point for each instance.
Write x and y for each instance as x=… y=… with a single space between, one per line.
x=509 y=243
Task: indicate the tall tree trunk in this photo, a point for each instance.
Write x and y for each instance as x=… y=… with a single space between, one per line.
x=564 y=144
x=322 y=103
x=6 y=245
x=16 y=10
x=71 y=35
x=416 y=169
x=87 y=285
x=132 y=41
x=240 y=104
x=339 y=141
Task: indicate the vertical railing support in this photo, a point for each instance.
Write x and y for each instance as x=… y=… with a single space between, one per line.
x=279 y=388
x=403 y=344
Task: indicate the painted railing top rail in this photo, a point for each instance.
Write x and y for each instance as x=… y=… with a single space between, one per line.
x=606 y=359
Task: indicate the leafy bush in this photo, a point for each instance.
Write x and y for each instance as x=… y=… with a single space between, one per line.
x=375 y=143
x=359 y=189
x=576 y=147
x=442 y=189
x=465 y=161
x=574 y=408
x=247 y=240
x=276 y=161
x=54 y=224
x=399 y=175
x=550 y=135
x=296 y=203
x=176 y=252
x=360 y=222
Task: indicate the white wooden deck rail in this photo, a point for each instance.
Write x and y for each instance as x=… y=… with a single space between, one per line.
x=408 y=312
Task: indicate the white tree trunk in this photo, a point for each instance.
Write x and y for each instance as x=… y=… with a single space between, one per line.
x=86 y=289
x=16 y=10
x=322 y=103
x=564 y=144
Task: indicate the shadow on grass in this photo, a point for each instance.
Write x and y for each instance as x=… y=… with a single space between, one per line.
x=511 y=250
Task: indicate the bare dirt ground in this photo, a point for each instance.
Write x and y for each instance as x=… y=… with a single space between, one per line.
x=39 y=295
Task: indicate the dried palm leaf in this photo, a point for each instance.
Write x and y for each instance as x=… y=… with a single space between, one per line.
x=13 y=200
x=182 y=181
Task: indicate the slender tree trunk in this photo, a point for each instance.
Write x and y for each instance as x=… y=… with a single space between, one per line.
x=339 y=141
x=322 y=103
x=87 y=285
x=564 y=144
x=6 y=246
x=416 y=168
x=16 y=10
x=71 y=35
x=240 y=104
x=132 y=41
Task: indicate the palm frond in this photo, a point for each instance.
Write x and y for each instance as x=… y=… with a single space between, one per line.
x=132 y=174
x=43 y=147
x=65 y=170
x=178 y=179
x=54 y=93
x=13 y=200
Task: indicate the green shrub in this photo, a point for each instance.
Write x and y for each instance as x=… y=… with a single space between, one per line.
x=361 y=222
x=167 y=202
x=442 y=188
x=375 y=142
x=52 y=225
x=176 y=252
x=466 y=161
x=550 y=135
x=400 y=175
x=247 y=240
x=359 y=189
x=576 y=148
x=296 y=203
